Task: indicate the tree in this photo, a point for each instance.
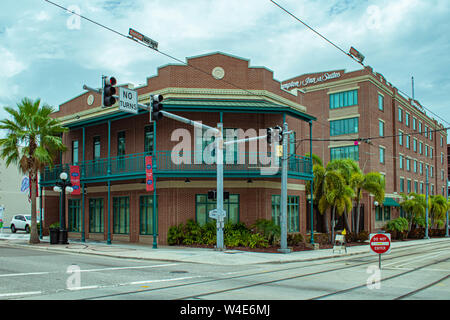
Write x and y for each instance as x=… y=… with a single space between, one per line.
x=438 y=208
x=33 y=141
x=372 y=182
x=414 y=205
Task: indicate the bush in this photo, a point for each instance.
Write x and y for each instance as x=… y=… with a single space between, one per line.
x=418 y=233
x=54 y=225
x=268 y=229
x=294 y=239
x=362 y=236
x=192 y=233
x=399 y=225
x=175 y=235
x=350 y=237
x=320 y=238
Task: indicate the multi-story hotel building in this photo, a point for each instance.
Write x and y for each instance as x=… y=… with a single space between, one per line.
x=110 y=145
x=403 y=141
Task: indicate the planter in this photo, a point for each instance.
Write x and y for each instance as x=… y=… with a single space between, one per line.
x=62 y=237
x=54 y=236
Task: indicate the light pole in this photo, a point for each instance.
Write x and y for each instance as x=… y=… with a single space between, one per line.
x=62 y=186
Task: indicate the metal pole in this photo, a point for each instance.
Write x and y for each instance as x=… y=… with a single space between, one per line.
x=155 y=217
x=108 y=241
x=83 y=231
x=219 y=165
x=426 y=206
x=311 y=204
x=379 y=261
x=40 y=213
x=283 y=218
x=446 y=215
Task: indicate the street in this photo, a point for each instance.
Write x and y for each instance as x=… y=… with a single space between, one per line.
x=419 y=272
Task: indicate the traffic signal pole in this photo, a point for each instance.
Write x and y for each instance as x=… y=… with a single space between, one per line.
x=283 y=218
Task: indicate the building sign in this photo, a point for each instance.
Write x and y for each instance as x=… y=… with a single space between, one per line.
x=311 y=80
x=149 y=174
x=75 y=179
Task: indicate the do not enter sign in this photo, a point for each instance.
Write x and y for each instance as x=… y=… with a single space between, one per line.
x=380 y=242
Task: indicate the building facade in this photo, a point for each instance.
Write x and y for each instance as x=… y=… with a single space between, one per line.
x=110 y=146
x=364 y=117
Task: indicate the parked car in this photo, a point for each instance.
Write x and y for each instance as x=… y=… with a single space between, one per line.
x=21 y=222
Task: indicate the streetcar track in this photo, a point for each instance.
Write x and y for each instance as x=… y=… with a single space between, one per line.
x=196 y=296
x=422 y=288
x=385 y=279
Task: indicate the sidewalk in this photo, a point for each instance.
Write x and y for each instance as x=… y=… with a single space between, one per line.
x=194 y=255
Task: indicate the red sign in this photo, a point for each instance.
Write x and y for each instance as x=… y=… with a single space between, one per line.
x=149 y=173
x=75 y=180
x=380 y=242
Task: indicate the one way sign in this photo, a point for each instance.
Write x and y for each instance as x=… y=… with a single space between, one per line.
x=128 y=100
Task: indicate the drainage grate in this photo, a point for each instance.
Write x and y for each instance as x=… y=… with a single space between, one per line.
x=178 y=271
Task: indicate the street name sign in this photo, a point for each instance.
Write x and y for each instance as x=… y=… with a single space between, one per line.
x=128 y=100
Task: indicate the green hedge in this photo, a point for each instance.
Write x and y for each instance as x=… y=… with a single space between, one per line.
x=260 y=235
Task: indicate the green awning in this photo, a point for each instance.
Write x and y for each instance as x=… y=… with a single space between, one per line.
x=389 y=202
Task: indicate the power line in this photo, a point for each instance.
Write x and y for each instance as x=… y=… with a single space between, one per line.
x=340 y=49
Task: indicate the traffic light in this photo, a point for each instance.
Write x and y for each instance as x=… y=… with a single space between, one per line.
x=157 y=106
x=269 y=135
x=279 y=131
x=108 y=91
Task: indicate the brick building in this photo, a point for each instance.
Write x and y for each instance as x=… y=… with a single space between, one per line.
x=404 y=142
x=110 y=145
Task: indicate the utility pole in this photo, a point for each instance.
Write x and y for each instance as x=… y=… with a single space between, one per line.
x=446 y=215
x=283 y=218
x=426 y=206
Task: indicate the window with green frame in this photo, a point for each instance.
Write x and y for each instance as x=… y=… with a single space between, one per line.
x=343 y=99
x=350 y=152
x=203 y=205
x=96 y=221
x=382 y=213
x=74 y=215
x=121 y=215
x=344 y=126
x=293 y=216
x=146 y=214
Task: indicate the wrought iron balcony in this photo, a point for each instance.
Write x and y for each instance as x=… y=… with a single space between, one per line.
x=167 y=164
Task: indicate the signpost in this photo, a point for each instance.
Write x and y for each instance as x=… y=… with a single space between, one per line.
x=380 y=243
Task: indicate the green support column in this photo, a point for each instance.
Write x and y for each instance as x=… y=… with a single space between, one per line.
x=311 y=204
x=108 y=241
x=83 y=231
x=155 y=217
x=40 y=213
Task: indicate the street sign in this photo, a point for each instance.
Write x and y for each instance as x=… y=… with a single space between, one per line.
x=137 y=35
x=128 y=100
x=380 y=242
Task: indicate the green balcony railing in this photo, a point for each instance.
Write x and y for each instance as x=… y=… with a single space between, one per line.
x=167 y=163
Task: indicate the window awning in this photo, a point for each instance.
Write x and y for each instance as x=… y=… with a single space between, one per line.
x=389 y=202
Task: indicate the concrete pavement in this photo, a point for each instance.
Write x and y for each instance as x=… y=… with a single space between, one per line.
x=194 y=255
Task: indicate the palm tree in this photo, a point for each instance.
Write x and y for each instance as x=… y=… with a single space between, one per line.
x=414 y=205
x=372 y=182
x=438 y=208
x=335 y=195
x=32 y=141
x=346 y=167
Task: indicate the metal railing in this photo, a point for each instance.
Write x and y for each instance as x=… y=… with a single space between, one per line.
x=192 y=164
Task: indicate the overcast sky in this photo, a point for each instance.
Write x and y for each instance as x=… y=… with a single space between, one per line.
x=47 y=53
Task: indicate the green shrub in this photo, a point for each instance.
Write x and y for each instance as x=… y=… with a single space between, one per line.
x=294 y=239
x=268 y=229
x=350 y=237
x=399 y=225
x=175 y=235
x=362 y=236
x=54 y=225
x=209 y=233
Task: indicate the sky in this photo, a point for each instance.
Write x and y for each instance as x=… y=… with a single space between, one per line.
x=48 y=53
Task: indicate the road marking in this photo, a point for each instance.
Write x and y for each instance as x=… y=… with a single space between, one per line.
x=401 y=262
x=124 y=268
x=162 y=280
x=23 y=274
x=19 y=294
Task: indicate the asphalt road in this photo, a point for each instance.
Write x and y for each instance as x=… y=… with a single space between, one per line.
x=420 y=272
